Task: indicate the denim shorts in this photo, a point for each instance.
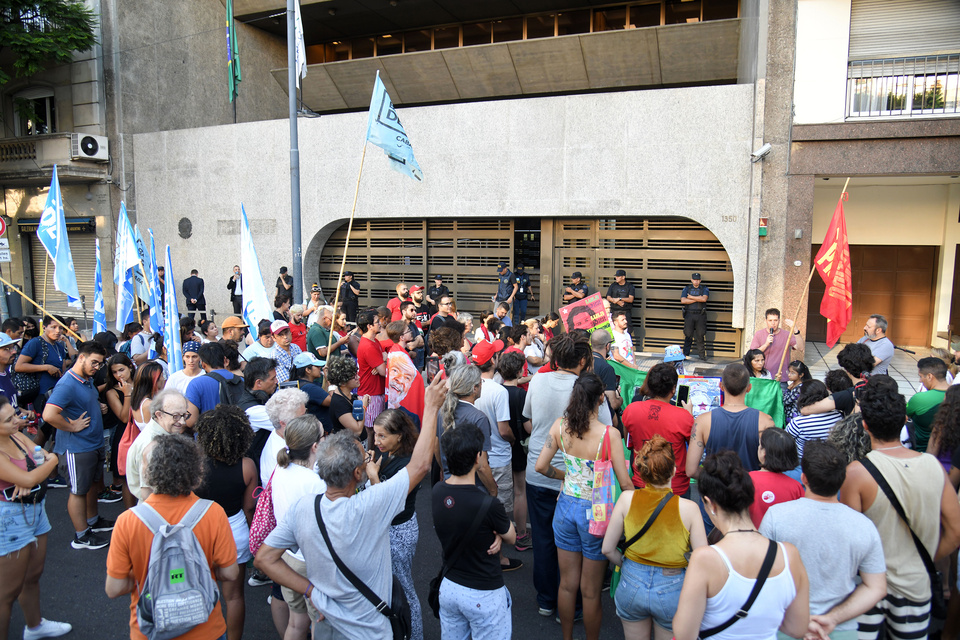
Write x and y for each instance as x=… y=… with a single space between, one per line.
x=20 y=524
x=571 y=529
x=645 y=591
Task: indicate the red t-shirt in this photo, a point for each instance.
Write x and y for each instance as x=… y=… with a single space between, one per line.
x=514 y=349
x=369 y=357
x=769 y=489
x=299 y=332
x=394 y=306
x=642 y=420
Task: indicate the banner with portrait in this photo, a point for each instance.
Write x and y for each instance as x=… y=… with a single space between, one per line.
x=587 y=313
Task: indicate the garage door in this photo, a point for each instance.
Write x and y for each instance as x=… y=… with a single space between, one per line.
x=83 y=250
x=895 y=281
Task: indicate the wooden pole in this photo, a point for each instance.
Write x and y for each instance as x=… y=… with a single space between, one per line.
x=803 y=297
x=343 y=262
x=46 y=264
x=42 y=310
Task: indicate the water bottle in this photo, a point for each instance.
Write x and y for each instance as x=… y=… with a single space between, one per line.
x=38 y=456
x=357 y=408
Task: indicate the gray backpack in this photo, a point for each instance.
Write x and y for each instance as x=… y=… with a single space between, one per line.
x=179 y=592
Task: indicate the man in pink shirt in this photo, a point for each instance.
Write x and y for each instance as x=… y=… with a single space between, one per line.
x=772 y=340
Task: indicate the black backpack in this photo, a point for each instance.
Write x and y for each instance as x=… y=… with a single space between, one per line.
x=230 y=390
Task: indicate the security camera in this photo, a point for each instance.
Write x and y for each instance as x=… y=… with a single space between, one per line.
x=761 y=153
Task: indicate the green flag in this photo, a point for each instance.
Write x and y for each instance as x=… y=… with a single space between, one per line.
x=766 y=395
x=233 y=57
x=630 y=379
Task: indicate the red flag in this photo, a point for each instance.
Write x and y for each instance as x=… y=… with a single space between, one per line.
x=833 y=263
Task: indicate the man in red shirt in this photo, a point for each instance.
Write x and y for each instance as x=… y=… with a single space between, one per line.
x=404 y=384
x=403 y=293
x=641 y=420
x=519 y=339
x=371 y=361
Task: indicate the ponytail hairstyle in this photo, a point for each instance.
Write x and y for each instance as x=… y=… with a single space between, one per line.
x=802 y=370
x=300 y=435
x=464 y=378
x=655 y=463
x=584 y=400
x=397 y=423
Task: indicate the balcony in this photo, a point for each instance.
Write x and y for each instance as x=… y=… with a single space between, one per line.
x=28 y=162
x=918 y=87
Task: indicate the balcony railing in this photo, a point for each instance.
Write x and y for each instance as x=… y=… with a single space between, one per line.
x=922 y=86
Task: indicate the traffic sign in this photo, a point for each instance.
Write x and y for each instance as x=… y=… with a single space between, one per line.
x=5 y=255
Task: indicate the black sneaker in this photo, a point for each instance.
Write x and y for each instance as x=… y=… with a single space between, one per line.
x=89 y=540
x=512 y=565
x=258 y=579
x=57 y=482
x=102 y=524
x=108 y=497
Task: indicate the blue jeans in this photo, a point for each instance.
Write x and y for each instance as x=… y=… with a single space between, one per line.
x=519 y=311
x=645 y=591
x=571 y=529
x=542 y=504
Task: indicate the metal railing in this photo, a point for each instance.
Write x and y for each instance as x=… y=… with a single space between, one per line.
x=920 y=86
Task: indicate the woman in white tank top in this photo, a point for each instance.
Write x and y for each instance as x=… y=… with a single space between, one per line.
x=720 y=577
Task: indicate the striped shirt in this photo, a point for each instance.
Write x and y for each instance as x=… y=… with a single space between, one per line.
x=815 y=427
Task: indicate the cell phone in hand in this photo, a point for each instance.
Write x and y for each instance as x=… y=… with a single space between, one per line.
x=683 y=394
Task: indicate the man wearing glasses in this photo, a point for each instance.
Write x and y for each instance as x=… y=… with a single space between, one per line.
x=74 y=410
x=168 y=414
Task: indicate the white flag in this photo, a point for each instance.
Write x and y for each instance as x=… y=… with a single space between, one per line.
x=299 y=44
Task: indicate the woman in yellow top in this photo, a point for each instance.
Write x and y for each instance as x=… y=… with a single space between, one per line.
x=653 y=567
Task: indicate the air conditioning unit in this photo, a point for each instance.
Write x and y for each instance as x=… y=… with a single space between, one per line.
x=84 y=146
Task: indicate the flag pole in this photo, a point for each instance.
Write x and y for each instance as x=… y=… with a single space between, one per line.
x=292 y=82
x=803 y=296
x=46 y=265
x=346 y=247
x=44 y=311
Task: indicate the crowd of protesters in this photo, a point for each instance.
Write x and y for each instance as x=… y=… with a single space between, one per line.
x=296 y=456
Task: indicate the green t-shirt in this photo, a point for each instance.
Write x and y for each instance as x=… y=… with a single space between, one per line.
x=922 y=408
x=317 y=336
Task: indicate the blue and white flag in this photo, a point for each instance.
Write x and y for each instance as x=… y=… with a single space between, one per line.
x=300 y=48
x=171 y=326
x=385 y=131
x=141 y=279
x=99 y=312
x=256 y=305
x=124 y=259
x=52 y=232
x=156 y=305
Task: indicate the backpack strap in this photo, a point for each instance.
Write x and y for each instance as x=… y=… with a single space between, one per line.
x=222 y=382
x=149 y=516
x=474 y=526
x=196 y=513
x=757 y=586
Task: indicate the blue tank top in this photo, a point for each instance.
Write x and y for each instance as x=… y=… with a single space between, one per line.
x=736 y=431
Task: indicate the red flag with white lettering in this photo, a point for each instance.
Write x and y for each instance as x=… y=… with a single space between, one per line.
x=833 y=264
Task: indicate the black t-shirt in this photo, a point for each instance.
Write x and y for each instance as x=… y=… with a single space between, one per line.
x=845 y=401
x=516 y=398
x=389 y=467
x=624 y=290
x=955 y=460
x=454 y=508
x=423 y=315
x=346 y=292
x=605 y=371
x=339 y=406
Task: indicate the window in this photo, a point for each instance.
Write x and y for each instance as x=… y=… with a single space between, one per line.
x=36 y=112
x=571 y=22
x=388 y=45
x=920 y=86
x=681 y=12
x=609 y=19
x=507 y=30
x=416 y=41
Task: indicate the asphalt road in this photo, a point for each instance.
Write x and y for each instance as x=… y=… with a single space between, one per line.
x=71 y=589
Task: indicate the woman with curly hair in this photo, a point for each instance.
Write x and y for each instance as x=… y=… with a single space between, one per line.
x=343 y=373
x=395 y=436
x=945 y=431
x=850 y=438
x=582 y=439
x=229 y=479
x=652 y=568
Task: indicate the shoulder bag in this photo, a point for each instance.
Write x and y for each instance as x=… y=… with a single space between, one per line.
x=397 y=612
x=264 y=520
x=758 y=585
x=28 y=384
x=938 y=607
x=615 y=578
x=434 y=596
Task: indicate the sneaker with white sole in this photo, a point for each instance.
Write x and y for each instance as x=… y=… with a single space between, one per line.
x=258 y=579
x=102 y=524
x=47 y=629
x=89 y=540
x=108 y=496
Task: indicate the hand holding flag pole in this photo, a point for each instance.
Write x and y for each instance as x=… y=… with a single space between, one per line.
x=42 y=310
x=832 y=332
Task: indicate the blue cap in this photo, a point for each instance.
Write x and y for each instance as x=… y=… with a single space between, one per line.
x=6 y=341
x=307 y=359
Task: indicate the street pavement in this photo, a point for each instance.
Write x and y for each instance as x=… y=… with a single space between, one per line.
x=71 y=589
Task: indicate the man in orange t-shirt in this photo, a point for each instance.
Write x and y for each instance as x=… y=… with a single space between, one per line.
x=175 y=470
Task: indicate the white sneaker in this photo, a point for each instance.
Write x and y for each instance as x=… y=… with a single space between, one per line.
x=47 y=629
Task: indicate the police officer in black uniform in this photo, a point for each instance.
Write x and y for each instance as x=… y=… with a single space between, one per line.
x=577 y=289
x=694 y=301
x=524 y=293
x=620 y=295
x=349 y=296
x=434 y=293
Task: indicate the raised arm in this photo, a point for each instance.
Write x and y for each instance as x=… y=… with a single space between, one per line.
x=423 y=451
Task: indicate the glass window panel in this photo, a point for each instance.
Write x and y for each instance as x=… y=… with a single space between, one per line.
x=644 y=15
x=571 y=22
x=609 y=19
x=507 y=30
x=416 y=41
x=446 y=37
x=682 y=12
x=477 y=33
x=362 y=48
x=720 y=9
x=39 y=116
x=541 y=26
x=338 y=51
x=389 y=45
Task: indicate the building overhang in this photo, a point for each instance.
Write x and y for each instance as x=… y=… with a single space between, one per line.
x=29 y=161
x=670 y=55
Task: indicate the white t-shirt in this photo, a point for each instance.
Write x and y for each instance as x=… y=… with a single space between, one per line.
x=268 y=457
x=139 y=344
x=257 y=415
x=624 y=343
x=290 y=483
x=180 y=380
x=494 y=401
x=533 y=351
x=256 y=350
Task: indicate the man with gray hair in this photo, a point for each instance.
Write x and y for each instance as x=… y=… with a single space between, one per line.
x=319 y=334
x=282 y=407
x=358 y=527
x=875 y=337
x=168 y=414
